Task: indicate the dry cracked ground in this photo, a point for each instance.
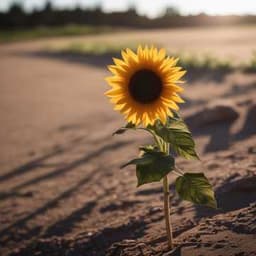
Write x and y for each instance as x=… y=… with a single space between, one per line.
x=61 y=189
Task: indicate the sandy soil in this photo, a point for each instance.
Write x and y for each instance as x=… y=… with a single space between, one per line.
x=62 y=192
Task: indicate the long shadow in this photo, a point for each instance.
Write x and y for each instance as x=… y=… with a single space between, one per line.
x=242 y=191
x=238 y=89
x=67 y=168
x=66 y=225
x=249 y=127
x=102 y=60
x=36 y=163
x=219 y=133
x=49 y=205
x=149 y=191
x=115 y=207
x=231 y=196
x=205 y=74
x=96 y=60
x=220 y=137
x=27 y=167
x=97 y=245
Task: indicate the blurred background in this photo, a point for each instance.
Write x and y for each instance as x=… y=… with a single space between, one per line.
x=61 y=190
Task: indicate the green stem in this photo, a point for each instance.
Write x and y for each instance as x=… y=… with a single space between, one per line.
x=167 y=212
x=164 y=146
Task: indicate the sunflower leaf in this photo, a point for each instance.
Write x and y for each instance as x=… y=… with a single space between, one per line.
x=124 y=129
x=177 y=123
x=152 y=166
x=148 y=148
x=178 y=135
x=195 y=187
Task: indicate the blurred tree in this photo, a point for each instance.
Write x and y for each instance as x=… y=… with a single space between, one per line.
x=16 y=15
x=48 y=7
x=172 y=11
x=16 y=8
x=98 y=7
x=48 y=15
x=132 y=9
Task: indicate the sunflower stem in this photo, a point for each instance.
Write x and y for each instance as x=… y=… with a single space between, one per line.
x=164 y=146
x=167 y=212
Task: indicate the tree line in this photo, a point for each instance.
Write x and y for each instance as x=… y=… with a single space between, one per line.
x=16 y=18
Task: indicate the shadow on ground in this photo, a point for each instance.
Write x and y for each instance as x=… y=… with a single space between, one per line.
x=220 y=134
x=194 y=74
x=11 y=232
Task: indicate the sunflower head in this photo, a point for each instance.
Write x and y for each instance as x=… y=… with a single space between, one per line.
x=144 y=85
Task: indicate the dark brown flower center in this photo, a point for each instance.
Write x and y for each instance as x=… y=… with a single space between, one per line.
x=145 y=86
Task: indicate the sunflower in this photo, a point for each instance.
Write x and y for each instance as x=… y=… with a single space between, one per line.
x=144 y=85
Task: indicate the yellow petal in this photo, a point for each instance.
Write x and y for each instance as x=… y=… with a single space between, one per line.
x=114 y=92
x=132 y=54
x=174 y=87
x=161 y=54
x=119 y=62
x=177 y=98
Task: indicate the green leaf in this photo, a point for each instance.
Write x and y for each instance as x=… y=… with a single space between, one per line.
x=195 y=187
x=144 y=160
x=149 y=148
x=177 y=123
x=124 y=129
x=178 y=135
x=152 y=166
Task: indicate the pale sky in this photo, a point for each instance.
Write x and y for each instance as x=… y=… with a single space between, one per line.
x=151 y=7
